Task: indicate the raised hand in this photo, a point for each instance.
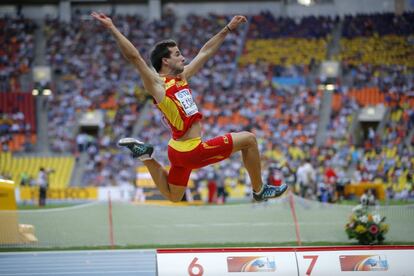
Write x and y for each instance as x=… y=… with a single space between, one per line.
x=101 y=17
x=236 y=21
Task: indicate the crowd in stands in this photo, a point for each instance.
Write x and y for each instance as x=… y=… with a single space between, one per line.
x=266 y=26
x=378 y=24
x=274 y=39
x=378 y=39
x=10 y=125
x=17 y=122
x=377 y=51
x=16 y=58
x=16 y=52
x=235 y=92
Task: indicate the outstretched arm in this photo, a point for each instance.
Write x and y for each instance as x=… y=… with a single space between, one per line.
x=150 y=78
x=211 y=47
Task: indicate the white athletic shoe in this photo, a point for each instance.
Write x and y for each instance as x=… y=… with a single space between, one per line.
x=139 y=149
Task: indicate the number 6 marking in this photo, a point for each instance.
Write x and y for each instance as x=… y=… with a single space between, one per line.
x=312 y=264
x=193 y=265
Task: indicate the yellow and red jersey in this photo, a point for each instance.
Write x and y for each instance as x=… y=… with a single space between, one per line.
x=178 y=106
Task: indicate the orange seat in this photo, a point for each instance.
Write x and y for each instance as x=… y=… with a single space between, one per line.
x=336 y=102
x=19 y=139
x=111 y=103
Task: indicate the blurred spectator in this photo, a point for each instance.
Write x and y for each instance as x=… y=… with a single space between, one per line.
x=221 y=189
x=306 y=178
x=43 y=184
x=139 y=195
x=368 y=198
x=212 y=189
x=24 y=179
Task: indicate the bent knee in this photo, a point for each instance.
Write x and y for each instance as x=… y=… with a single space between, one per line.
x=175 y=199
x=251 y=139
x=176 y=193
x=243 y=140
x=248 y=139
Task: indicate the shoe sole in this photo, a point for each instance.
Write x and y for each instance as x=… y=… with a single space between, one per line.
x=127 y=141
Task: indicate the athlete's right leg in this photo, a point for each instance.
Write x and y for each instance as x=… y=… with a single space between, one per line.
x=159 y=175
x=246 y=143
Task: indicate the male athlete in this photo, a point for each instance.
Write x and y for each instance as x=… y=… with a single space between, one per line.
x=168 y=85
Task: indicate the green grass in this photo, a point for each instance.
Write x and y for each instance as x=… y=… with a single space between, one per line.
x=148 y=226
x=22 y=206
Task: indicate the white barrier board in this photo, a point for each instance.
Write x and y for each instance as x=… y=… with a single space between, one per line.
x=383 y=260
x=197 y=264
x=353 y=262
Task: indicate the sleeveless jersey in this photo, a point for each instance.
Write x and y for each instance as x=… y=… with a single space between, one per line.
x=178 y=106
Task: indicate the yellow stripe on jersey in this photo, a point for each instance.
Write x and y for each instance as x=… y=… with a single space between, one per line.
x=186 y=145
x=171 y=113
x=169 y=84
x=181 y=83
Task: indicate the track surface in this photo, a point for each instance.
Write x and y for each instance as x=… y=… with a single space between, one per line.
x=99 y=262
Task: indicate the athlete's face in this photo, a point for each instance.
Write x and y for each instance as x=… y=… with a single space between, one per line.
x=175 y=61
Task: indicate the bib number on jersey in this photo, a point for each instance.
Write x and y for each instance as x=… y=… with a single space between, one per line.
x=187 y=102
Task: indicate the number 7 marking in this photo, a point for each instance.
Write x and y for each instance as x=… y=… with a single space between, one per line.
x=312 y=264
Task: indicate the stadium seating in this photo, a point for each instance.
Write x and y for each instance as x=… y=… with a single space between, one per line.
x=18 y=121
x=377 y=50
x=17 y=51
x=63 y=167
x=279 y=51
x=236 y=91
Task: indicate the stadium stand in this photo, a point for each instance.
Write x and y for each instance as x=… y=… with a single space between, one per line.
x=376 y=59
x=30 y=166
x=376 y=56
x=17 y=51
x=275 y=39
x=17 y=121
x=17 y=114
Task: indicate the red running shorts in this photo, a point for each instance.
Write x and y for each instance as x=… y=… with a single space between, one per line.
x=194 y=154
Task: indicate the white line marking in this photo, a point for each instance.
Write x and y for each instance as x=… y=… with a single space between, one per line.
x=229 y=224
x=79 y=206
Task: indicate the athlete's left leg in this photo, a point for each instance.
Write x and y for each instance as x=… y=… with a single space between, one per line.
x=159 y=175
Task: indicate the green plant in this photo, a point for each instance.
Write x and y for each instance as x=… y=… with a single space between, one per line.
x=365 y=226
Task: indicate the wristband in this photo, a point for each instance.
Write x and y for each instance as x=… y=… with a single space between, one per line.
x=228 y=28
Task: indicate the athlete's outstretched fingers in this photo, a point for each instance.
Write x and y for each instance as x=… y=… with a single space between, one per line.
x=242 y=18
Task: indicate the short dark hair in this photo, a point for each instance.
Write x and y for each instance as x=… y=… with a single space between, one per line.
x=161 y=51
